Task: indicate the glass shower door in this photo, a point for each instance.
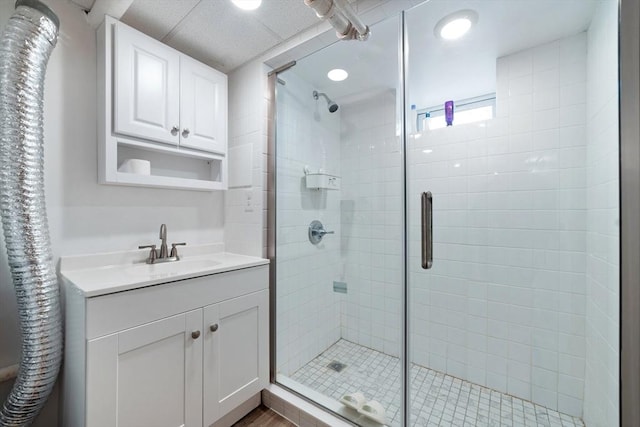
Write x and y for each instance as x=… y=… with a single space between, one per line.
x=512 y=154
x=339 y=222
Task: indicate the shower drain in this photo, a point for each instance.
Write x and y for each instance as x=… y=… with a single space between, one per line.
x=336 y=366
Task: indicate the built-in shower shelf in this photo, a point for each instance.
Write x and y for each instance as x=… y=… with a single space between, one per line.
x=322 y=181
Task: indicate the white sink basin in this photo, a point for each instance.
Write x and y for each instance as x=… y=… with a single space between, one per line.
x=182 y=266
x=173 y=268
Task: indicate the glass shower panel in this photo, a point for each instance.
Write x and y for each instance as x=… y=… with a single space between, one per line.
x=339 y=285
x=516 y=321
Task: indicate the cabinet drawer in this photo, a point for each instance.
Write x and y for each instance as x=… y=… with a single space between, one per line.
x=112 y=313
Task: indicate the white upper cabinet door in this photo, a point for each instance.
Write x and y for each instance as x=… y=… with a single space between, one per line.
x=203 y=107
x=147 y=87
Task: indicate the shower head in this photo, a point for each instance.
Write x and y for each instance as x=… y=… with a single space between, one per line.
x=333 y=107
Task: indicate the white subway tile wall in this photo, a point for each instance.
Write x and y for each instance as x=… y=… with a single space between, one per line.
x=602 y=313
x=504 y=304
x=308 y=320
x=371 y=221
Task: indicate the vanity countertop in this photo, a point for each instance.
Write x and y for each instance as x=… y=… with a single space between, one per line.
x=107 y=273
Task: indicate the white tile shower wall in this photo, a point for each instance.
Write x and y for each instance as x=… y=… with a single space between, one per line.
x=504 y=304
x=601 y=407
x=308 y=318
x=371 y=219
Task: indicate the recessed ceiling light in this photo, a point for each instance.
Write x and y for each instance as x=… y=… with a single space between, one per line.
x=427 y=151
x=247 y=4
x=337 y=74
x=455 y=25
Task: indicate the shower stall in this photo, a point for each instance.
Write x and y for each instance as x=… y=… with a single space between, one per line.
x=445 y=220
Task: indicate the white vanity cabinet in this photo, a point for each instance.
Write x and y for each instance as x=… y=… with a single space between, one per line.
x=182 y=353
x=159 y=105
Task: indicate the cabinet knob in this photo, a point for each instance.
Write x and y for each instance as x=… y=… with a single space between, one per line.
x=185 y=132
x=195 y=334
x=214 y=327
x=174 y=130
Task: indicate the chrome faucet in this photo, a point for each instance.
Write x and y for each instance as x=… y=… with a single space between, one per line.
x=162 y=255
x=164 y=252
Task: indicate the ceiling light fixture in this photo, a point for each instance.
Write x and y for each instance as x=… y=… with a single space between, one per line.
x=247 y=4
x=455 y=25
x=337 y=75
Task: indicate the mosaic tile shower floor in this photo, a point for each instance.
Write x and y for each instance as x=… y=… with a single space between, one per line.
x=438 y=399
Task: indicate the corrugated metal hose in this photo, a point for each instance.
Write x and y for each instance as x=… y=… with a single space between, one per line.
x=25 y=46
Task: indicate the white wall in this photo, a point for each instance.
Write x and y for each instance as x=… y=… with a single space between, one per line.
x=503 y=305
x=601 y=407
x=371 y=218
x=308 y=318
x=245 y=207
x=86 y=217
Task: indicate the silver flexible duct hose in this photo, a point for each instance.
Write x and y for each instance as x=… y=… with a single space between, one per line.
x=25 y=46
x=342 y=17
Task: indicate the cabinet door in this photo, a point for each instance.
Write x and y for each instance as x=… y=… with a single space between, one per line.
x=150 y=375
x=203 y=107
x=236 y=359
x=146 y=87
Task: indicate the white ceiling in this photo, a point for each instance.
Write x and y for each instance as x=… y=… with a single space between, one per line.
x=215 y=31
x=84 y=4
x=223 y=36
x=440 y=70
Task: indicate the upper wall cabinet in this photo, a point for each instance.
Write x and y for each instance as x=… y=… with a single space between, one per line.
x=160 y=106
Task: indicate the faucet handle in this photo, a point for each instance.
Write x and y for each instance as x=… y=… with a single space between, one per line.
x=152 y=254
x=174 y=250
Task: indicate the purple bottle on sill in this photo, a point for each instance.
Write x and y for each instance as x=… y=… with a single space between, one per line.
x=448 y=112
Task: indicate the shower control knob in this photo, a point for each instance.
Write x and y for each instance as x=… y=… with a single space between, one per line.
x=214 y=327
x=185 y=133
x=195 y=335
x=174 y=130
x=317 y=232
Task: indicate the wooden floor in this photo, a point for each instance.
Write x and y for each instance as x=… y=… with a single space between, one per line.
x=263 y=417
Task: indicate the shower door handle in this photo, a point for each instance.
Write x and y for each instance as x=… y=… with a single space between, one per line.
x=427 y=230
